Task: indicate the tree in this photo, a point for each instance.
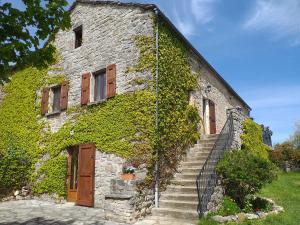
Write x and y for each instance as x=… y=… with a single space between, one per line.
x=23 y=31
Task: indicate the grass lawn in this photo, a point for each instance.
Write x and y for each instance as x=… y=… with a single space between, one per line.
x=285 y=192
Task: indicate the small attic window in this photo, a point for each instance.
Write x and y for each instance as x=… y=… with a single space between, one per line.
x=78 y=36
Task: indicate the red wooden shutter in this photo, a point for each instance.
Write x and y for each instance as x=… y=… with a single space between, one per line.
x=64 y=95
x=86 y=175
x=45 y=100
x=85 y=89
x=111 y=81
x=212 y=117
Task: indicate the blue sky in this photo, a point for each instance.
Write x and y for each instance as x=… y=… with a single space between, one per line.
x=254 y=45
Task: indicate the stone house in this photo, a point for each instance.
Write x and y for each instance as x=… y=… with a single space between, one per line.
x=95 y=57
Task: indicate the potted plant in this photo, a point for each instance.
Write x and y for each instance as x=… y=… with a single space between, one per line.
x=128 y=172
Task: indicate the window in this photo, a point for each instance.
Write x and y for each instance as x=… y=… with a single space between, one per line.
x=56 y=98
x=100 y=85
x=78 y=36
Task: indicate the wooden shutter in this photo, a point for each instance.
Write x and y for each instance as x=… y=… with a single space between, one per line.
x=212 y=117
x=64 y=95
x=45 y=100
x=111 y=81
x=85 y=89
x=86 y=175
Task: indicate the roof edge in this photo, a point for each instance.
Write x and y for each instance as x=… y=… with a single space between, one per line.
x=99 y=2
x=195 y=51
x=187 y=42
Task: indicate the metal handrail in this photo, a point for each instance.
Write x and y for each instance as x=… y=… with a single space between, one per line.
x=207 y=179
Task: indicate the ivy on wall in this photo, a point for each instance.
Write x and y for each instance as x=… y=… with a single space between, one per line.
x=252 y=139
x=20 y=128
x=178 y=121
x=123 y=125
x=18 y=111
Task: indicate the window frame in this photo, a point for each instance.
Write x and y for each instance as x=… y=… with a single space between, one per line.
x=93 y=89
x=102 y=85
x=55 y=104
x=51 y=110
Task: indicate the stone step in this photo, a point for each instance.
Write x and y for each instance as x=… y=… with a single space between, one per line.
x=191 y=169
x=189 y=164
x=187 y=176
x=175 y=213
x=198 y=150
x=181 y=189
x=166 y=220
x=209 y=136
x=211 y=140
x=179 y=197
x=196 y=157
x=182 y=182
x=175 y=204
x=204 y=145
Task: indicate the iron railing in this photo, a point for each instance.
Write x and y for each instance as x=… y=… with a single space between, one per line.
x=207 y=178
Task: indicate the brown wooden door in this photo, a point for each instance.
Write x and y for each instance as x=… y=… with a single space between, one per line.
x=212 y=117
x=86 y=175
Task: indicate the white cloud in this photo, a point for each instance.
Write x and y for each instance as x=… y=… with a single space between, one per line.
x=189 y=15
x=281 y=18
x=203 y=10
x=185 y=25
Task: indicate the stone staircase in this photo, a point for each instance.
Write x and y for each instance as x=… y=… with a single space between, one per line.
x=178 y=204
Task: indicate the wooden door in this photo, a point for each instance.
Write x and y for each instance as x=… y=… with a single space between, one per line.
x=72 y=174
x=86 y=175
x=212 y=118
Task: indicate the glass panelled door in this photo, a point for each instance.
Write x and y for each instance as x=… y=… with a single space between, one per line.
x=72 y=174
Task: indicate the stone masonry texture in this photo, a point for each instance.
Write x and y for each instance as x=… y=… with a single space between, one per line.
x=109 y=32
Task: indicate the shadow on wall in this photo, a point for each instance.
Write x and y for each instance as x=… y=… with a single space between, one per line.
x=43 y=221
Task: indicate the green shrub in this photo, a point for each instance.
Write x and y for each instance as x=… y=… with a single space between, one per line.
x=15 y=165
x=229 y=207
x=252 y=139
x=244 y=173
x=285 y=152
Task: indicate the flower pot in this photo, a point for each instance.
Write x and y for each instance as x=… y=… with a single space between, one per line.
x=128 y=176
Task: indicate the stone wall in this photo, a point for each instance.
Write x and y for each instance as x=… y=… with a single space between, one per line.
x=109 y=33
x=238 y=119
x=121 y=200
x=224 y=100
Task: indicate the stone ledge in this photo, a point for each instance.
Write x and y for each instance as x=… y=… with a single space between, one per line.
x=118 y=196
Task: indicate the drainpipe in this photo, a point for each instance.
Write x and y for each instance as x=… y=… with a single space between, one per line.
x=157 y=104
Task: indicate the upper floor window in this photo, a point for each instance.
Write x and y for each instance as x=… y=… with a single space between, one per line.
x=100 y=86
x=78 y=36
x=55 y=99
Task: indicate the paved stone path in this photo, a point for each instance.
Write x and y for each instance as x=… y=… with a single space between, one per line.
x=34 y=212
